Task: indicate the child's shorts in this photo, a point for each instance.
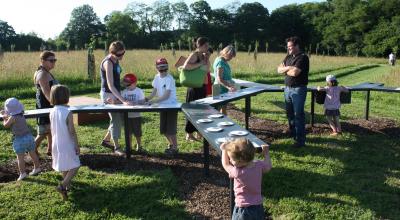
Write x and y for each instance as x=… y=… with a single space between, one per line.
x=168 y=122
x=22 y=144
x=250 y=212
x=135 y=125
x=43 y=129
x=334 y=112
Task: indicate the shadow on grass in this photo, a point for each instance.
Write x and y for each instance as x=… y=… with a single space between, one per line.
x=368 y=162
x=149 y=195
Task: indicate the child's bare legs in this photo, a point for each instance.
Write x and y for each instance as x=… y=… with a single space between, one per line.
x=337 y=124
x=107 y=137
x=49 y=143
x=138 y=140
x=35 y=159
x=68 y=175
x=332 y=123
x=223 y=110
x=21 y=163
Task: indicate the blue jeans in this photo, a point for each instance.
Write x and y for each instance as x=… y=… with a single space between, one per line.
x=294 y=100
x=253 y=212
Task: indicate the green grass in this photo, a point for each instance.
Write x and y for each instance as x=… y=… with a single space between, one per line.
x=349 y=177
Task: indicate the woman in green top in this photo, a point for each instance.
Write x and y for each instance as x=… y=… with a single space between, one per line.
x=223 y=73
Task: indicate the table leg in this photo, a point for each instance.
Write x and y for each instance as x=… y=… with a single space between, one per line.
x=312 y=108
x=367 y=105
x=247 y=111
x=128 y=144
x=206 y=152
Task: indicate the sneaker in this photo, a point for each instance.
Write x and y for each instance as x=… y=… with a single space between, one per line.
x=171 y=151
x=35 y=172
x=22 y=176
x=62 y=191
x=118 y=152
x=107 y=144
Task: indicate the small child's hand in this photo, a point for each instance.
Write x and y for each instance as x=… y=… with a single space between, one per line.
x=77 y=150
x=318 y=88
x=223 y=146
x=265 y=148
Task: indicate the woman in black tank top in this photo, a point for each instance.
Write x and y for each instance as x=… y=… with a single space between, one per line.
x=110 y=72
x=43 y=81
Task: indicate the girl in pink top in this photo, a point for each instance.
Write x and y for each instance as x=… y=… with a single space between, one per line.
x=332 y=103
x=238 y=161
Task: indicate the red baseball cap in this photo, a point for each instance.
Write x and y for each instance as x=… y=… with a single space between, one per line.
x=130 y=78
x=162 y=64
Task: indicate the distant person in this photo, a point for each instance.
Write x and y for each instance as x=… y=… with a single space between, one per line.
x=392 y=59
x=223 y=73
x=197 y=59
x=65 y=146
x=13 y=117
x=43 y=81
x=295 y=67
x=110 y=72
x=165 y=91
x=238 y=161
x=332 y=103
x=136 y=96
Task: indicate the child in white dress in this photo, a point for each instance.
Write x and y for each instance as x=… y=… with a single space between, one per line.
x=65 y=149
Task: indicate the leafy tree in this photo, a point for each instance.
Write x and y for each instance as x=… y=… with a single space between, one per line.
x=182 y=14
x=143 y=14
x=83 y=24
x=162 y=14
x=6 y=33
x=251 y=22
x=121 y=26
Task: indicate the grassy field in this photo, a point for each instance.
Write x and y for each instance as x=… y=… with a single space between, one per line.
x=354 y=176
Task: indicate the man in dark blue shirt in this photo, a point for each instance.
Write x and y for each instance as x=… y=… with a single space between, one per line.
x=295 y=67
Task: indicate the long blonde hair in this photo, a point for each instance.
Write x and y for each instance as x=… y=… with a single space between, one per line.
x=228 y=51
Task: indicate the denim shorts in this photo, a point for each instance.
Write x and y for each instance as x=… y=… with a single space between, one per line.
x=253 y=212
x=23 y=144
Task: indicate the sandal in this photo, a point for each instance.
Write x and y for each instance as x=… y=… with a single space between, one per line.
x=107 y=144
x=60 y=188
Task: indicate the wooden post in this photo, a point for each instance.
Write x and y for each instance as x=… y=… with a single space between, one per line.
x=367 y=105
x=91 y=64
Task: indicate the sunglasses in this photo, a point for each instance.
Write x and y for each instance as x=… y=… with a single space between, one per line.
x=120 y=55
x=52 y=60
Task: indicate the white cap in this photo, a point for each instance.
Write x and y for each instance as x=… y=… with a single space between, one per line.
x=330 y=78
x=13 y=107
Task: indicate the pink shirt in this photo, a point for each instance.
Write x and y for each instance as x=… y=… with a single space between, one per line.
x=247 y=183
x=332 y=98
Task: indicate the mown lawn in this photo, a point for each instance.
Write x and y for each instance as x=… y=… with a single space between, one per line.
x=354 y=176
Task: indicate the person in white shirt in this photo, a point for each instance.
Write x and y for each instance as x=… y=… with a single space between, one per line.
x=392 y=59
x=165 y=90
x=136 y=96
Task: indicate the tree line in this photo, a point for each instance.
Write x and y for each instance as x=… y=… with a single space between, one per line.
x=333 y=27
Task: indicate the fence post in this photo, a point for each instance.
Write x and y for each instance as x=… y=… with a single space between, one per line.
x=91 y=64
x=368 y=94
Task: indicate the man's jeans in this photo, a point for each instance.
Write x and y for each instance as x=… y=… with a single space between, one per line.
x=295 y=98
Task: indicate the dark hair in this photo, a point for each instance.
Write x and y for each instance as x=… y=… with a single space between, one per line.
x=200 y=41
x=116 y=46
x=59 y=95
x=295 y=40
x=46 y=54
x=332 y=83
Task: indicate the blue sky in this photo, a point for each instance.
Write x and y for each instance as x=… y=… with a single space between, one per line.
x=48 y=18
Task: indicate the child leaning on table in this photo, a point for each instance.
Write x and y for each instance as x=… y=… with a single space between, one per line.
x=23 y=141
x=65 y=148
x=165 y=90
x=238 y=161
x=332 y=103
x=134 y=95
